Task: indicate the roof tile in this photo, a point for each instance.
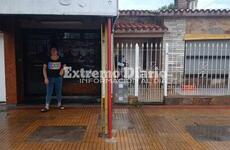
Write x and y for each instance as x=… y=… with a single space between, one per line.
x=138 y=27
x=177 y=12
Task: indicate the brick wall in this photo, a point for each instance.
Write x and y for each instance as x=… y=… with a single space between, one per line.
x=178 y=27
x=175 y=38
x=208 y=25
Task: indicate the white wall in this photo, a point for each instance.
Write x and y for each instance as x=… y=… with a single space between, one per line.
x=60 y=7
x=2 y=70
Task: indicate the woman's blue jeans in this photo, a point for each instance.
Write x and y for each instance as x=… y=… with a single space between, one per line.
x=54 y=83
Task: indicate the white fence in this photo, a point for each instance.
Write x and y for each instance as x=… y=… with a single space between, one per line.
x=202 y=69
x=144 y=58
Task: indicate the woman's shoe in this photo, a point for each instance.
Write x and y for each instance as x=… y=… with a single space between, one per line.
x=44 y=110
x=61 y=107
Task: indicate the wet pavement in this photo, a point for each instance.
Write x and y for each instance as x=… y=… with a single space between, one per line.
x=148 y=127
x=58 y=134
x=210 y=133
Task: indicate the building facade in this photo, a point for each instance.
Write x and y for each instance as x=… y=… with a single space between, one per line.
x=191 y=46
x=79 y=29
x=186 y=50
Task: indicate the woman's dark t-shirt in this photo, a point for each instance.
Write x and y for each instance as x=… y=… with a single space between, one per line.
x=54 y=67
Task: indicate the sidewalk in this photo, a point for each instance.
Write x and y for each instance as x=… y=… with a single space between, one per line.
x=149 y=127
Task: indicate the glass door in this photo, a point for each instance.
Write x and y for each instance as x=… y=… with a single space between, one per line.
x=80 y=50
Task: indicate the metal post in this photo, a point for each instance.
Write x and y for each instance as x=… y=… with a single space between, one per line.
x=136 y=70
x=2 y=70
x=166 y=70
x=109 y=77
x=103 y=124
x=104 y=80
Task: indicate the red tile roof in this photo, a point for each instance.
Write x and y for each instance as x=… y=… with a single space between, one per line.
x=137 y=13
x=177 y=12
x=135 y=27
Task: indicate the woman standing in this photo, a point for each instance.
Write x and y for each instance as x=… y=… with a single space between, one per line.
x=53 y=70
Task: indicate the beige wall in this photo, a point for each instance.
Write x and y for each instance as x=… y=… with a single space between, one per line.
x=208 y=26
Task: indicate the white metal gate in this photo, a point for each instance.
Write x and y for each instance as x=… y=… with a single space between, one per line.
x=145 y=59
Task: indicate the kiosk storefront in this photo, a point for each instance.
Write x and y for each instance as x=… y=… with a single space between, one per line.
x=81 y=29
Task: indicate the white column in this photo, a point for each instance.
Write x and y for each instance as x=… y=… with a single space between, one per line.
x=2 y=70
x=136 y=69
x=166 y=70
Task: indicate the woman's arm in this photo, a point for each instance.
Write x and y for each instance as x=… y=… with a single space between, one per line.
x=62 y=70
x=45 y=74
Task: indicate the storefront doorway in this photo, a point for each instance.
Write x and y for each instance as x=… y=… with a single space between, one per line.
x=81 y=49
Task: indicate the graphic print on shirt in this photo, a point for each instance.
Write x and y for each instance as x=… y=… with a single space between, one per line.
x=54 y=65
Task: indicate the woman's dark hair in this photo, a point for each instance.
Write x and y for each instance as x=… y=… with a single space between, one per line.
x=52 y=48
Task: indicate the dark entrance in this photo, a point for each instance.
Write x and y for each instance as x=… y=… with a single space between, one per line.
x=81 y=49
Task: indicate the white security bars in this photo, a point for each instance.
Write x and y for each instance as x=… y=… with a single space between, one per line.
x=205 y=70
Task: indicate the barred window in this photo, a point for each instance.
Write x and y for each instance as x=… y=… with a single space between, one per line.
x=208 y=60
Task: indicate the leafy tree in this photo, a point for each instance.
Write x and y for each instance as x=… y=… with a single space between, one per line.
x=165 y=7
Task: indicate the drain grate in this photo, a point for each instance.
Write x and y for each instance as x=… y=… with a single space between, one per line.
x=120 y=124
x=209 y=133
x=58 y=134
x=120 y=121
